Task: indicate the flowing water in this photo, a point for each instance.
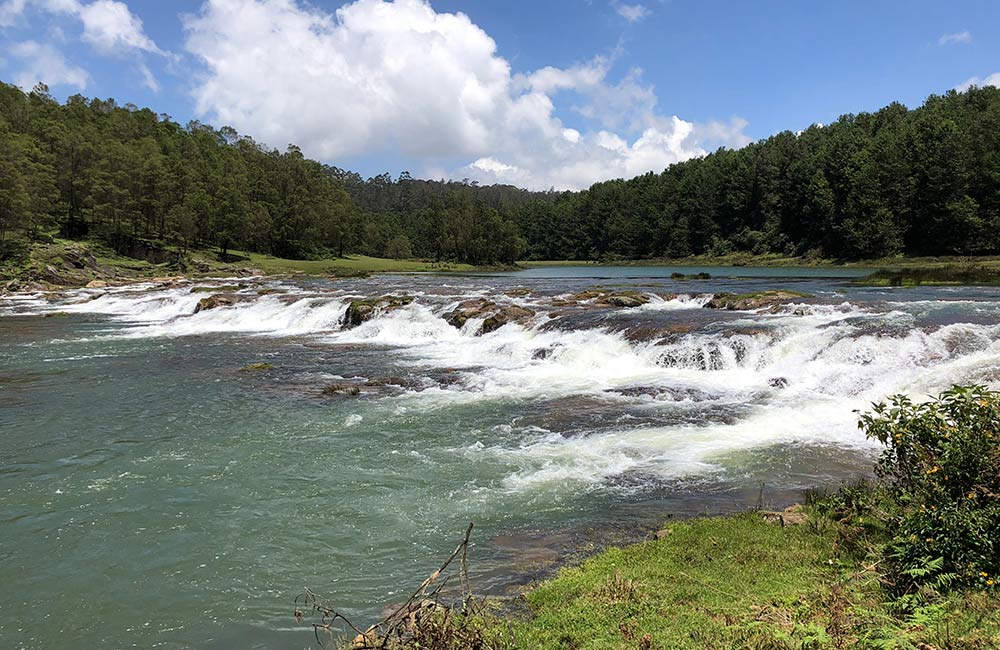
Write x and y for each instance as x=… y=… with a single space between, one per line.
x=153 y=494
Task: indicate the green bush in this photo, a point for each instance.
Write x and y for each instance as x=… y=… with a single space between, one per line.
x=941 y=465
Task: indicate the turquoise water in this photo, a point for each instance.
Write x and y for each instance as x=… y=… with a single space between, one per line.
x=152 y=494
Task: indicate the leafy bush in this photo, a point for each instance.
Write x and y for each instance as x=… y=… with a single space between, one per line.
x=942 y=467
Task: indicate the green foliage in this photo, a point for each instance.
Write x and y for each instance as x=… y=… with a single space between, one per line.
x=942 y=464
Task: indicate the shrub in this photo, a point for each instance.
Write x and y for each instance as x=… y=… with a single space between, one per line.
x=941 y=465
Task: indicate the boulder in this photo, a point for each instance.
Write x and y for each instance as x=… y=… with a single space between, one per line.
x=601 y=298
x=752 y=301
x=504 y=315
x=219 y=300
x=628 y=299
x=96 y=284
x=494 y=315
x=362 y=310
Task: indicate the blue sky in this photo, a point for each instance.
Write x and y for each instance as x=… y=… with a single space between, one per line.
x=540 y=94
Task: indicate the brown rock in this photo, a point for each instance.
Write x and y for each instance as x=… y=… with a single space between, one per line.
x=219 y=300
x=752 y=301
x=494 y=316
x=360 y=311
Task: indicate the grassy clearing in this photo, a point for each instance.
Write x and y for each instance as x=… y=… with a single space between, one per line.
x=352 y=264
x=741 y=582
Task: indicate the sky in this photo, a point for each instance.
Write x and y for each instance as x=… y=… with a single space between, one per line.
x=540 y=94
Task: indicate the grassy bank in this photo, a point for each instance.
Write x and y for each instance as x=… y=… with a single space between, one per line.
x=746 y=259
x=59 y=262
x=351 y=264
x=941 y=275
x=742 y=582
x=909 y=561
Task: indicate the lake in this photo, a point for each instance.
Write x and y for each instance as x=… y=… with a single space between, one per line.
x=155 y=494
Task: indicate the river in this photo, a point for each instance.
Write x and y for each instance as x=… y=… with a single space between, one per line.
x=154 y=494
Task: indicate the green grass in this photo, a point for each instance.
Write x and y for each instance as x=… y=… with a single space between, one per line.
x=943 y=274
x=740 y=582
x=774 y=260
x=352 y=264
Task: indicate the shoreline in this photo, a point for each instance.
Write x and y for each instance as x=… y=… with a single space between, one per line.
x=64 y=264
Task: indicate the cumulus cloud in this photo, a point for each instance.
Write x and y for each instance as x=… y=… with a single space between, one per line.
x=401 y=77
x=43 y=63
x=632 y=13
x=110 y=26
x=963 y=37
x=991 y=80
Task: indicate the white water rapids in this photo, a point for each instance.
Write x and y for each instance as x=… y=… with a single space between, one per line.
x=686 y=396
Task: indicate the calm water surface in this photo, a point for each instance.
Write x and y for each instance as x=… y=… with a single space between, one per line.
x=152 y=494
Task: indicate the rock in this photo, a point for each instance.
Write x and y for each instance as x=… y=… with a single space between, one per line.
x=96 y=284
x=601 y=298
x=519 y=292
x=360 y=311
x=791 y=516
x=506 y=314
x=752 y=301
x=398 y=382
x=255 y=367
x=777 y=382
x=627 y=300
x=494 y=316
x=219 y=300
x=228 y=288
x=345 y=388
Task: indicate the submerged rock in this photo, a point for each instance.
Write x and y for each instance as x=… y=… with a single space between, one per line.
x=343 y=388
x=752 y=301
x=363 y=310
x=255 y=367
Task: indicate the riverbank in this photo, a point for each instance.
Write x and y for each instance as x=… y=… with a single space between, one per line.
x=907 y=560
x=756 y=580
x=63 y=263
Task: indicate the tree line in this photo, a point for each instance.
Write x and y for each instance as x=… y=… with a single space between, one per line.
x=897 y=181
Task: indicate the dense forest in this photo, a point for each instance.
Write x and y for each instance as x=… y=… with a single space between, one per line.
x=897 y=181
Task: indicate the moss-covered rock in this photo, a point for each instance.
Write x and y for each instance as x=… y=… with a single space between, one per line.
x=220 y=300
x=365 y=309
x=603 y=298
x=753 y=301
x=494 y=315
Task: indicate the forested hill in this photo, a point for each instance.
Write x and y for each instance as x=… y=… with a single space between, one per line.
x=920 y=182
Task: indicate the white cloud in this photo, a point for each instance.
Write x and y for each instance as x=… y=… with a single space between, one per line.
x=632 y=13
x=992 y=80
x=963 y=37
x=398 y=76
x=110 y=26
x=46 y=64
x=11 y=11
x=148 y=79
